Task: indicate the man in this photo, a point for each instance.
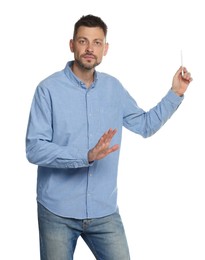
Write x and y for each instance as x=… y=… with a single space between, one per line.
x=74 y=133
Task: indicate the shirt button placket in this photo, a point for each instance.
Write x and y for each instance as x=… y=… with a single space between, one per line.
x=90 y=137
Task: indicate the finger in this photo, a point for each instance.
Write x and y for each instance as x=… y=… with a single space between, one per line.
x=112 y=149
x=185 y=70
x=101 y=140
x=179 y=72
x=110 y=134
x=187 y=76
x=106 y=137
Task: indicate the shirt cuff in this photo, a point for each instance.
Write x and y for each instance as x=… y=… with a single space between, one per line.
x=173 y=97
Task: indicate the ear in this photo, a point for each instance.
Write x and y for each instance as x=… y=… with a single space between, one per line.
x=71 y=45
x=106 y=48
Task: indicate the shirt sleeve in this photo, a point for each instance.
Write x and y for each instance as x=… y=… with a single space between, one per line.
x=147 y=123
x=40 y=148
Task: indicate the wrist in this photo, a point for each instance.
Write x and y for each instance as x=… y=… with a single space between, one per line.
x=178 y=93
x=90 y=157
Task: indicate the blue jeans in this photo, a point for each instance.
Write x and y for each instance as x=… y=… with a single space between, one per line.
x=104 y=236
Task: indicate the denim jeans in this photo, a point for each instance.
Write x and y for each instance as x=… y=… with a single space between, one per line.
x=104 y=236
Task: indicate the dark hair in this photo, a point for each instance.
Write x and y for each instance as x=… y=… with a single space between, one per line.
x=90 y=21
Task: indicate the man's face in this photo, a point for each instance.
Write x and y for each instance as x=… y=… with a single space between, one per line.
x=89 y=47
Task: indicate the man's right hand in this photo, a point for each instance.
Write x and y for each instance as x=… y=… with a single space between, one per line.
x=102 y=148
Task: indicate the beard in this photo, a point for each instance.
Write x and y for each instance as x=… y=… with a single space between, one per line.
x=86 y=65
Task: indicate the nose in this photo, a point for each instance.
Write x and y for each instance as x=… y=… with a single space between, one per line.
x=89 y=47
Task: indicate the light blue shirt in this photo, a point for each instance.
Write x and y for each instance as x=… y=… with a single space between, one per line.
x=66 y=120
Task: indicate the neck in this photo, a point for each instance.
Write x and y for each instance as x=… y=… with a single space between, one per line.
x=86 y=76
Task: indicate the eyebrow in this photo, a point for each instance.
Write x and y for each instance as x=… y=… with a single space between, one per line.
x=82 y=37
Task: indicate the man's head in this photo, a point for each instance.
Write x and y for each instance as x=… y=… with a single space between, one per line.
x=89 y=42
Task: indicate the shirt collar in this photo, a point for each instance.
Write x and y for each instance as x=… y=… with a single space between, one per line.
x=71 y=76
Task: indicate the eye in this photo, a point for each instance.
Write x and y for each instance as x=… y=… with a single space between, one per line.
x=82 y=41
x=98 y=43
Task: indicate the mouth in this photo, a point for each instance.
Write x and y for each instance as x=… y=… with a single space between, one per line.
x=88 y=56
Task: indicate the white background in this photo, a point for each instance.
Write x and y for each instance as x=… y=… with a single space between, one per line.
x=161 y=179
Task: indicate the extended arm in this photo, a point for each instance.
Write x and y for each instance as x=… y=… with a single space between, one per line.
x=163 y=110
x=147 y=123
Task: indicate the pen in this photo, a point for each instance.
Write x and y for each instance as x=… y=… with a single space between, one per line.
x=182 y=63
